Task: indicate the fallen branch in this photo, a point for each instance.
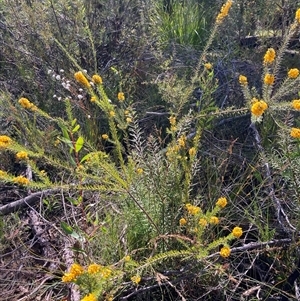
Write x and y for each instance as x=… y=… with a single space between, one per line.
x=29 y=200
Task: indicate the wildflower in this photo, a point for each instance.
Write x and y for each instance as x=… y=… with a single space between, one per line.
x=269 y=56
x=112 y=114
x=109 y=298
x=181 y=141
x=94 y=268
x=214 y=220
x=128 y=119
x=21 y=180
x=192 y=151
x=224 y=12
x=221 y=202
x=296 y=104
x=127 y=258
x=25 y=103
x=259 y=107
x=97 y=79
x=139 y=171
x=76 y=269
x=269 y=79
x=79 y=76
x=2 y=173
x=172 y=120
x=5 y=141
x=297 y=16
x=182 y=222
x=237 y=232
x=89 y=297
x=193 y=210
x=93 y=98
x=293 y=73
x=295 y=132
x=22 y=155
x=225 y=252
x=202 y=222
x=136 y=279
x=68 y=277
x=121 y=96
x=208 y=66
x=104 y=136
x=243 y=80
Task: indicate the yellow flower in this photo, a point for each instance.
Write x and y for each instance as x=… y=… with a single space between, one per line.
x=259 y=107
x=193 y=210
x=297 y=16
x=105 y=272
x=127 y=258
x=25 y=103
x=208 y=66
x=139 y=171
x=76 y=269
x=136 y=279
x=112 y=113
x=214 y=220
x=181 y=141
x=94 y=268
x=104 y=136
x=221 y=202
x=109 y=298
x=224 y=11
x=237 y=232
x=93 y=98
x=172 y=120
x=22 y=155
x=269 y=56
x=89 y=297
x=269 y=79
x=79 y=76
x=182 y=221
x=295 y=132
x=5 y=141
x=192 y=151
x=68 y=277
x=97 y=79
x=203 y=222
x=243 y=80
x=293 y=73
x=21 y=180
x=121 y=96
x=128 y=119
x=225 y=252
x=2 y=173
x=296 y=104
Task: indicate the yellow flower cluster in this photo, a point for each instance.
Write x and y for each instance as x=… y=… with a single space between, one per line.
x=203 y=222
x=208 y=66
x=105 y=272
x=75 y=271
x=225 y=252
x=297 y=16
x=295 y=133
x=269 y=56
x=296 y=104
x=181 y=141
x=104 y=136
x=93 y=98
x=112 y=114
x=172 y=120
x=269 y=79
x=221 y=202
x=97 y=79
x=21 y=180
x=224 y=12
x=5 y=141
x=214 y=220
x=293 y=73
x=258 y=107
x=79 y=76
x=193 y=210
x=182 y=222
x=22 y=156
x=139 y=171
x=192 y=151
x=121 y=96
x=2 y=173
x=237 y=232
x=25 y=103
x=94 y=268
x=89 y=297
x=243 y=80
x=136 y=279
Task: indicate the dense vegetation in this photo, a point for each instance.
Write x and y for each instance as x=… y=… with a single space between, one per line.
x=149 y=150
